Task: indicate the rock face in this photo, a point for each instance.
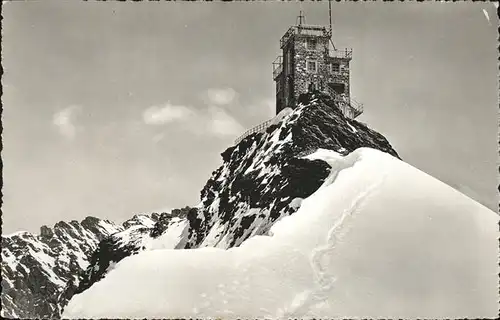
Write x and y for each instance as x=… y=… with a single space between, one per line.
x=262 y=178
x=40 y=273
x=38 y=269
x=139 y=235
x=265 y=177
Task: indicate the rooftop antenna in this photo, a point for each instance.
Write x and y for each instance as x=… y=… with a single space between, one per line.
x=301 y=17
x=331 y=29
x=330 y=14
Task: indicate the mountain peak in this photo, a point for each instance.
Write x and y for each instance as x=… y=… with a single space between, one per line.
x=266 y=170
x=318 y=122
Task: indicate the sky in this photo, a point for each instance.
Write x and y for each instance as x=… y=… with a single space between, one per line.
x=112 y=109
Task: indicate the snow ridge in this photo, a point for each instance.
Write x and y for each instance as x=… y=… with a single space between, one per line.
x=324 y=279
x=360 y=246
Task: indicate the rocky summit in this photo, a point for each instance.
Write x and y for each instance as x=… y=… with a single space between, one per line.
x=38 y=269
x=262 y=179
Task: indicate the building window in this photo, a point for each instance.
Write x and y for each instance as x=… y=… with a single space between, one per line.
x=278 y=85
x=312 y=66
x=289 y=61
x=338 y=88
x=334 y=67
x=311 y=44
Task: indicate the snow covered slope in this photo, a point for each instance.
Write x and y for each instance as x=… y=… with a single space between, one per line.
x=40 y=272
x=379 y=238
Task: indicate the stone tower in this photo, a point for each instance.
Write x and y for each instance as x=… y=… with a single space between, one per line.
x=307 y=62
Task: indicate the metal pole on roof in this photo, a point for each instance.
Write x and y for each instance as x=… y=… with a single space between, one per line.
x=301 y=17
x=330 y=16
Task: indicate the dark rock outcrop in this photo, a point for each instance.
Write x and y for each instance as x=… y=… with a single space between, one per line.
x=263 y=174
x=139 y=235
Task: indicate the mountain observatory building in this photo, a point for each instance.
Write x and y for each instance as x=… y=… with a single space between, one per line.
x=309 y=63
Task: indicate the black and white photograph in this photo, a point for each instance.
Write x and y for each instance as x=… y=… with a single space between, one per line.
x=250 y=160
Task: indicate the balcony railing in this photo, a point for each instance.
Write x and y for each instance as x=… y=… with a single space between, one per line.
x=277 y=66
x=258 y=128
x=350 y=108
x=357 y=107
x=340 y=53
x=304 y=30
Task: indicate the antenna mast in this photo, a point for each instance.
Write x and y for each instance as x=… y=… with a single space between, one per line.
x=331 y=29
x=330 y=14
x=301 y=18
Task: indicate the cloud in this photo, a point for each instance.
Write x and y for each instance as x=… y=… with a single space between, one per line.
x=221 y=96
x=221 y=123
x=168 y=113
x=64 y=121
x=213 y=120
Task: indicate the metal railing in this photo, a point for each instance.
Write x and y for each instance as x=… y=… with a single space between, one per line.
x=277 y=66
x=258 y=128
x=340 y=53
x=290 y=32
x=350 y=108
x=357 y=107
x=304 y=30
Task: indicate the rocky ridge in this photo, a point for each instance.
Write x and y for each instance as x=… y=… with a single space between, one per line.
x=40 y=272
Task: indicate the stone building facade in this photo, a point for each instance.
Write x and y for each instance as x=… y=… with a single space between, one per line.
x=308 y=62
